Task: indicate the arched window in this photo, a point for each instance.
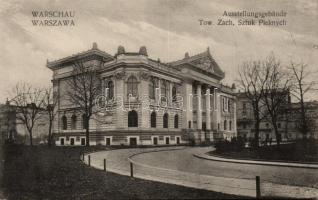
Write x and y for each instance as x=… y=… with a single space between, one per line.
x=74 y=121
x=225 y=123
x=110 y=87
x=174 y=93
x=153 y=119
x=64 y=122
x=152 y=89
x=132 y=119
x=176 y=121
x=84 y=123
x=132 y=86
x=230 y=125
x=165 y=120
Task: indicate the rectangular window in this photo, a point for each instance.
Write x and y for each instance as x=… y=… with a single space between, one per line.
x=72 y=141
x=178 y=140
x=155 y=140
x=163 y=88
x=108 y=141
x=133 y=141
x=167 y=140
x=152 y=88
x=227 y=104
x=83 y=141
x=223 y=107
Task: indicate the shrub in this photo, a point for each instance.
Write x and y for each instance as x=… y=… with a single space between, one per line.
x=236 y=144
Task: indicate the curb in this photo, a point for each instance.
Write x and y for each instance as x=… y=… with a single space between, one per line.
x=253 y=162
x=155 y=150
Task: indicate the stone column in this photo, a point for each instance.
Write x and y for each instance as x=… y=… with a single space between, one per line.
x=187 y=105
x=158 y=92
x=208 y=110
x=119 y=110
x=216 y=109
x=143 y=90
x=199 y=108
x=120 y=97
x=170 y=93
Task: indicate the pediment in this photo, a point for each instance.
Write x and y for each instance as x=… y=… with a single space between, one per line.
x=205 y=64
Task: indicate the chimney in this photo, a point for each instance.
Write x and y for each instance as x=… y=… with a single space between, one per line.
x=121 y=50
x=143 y=51
x=94 y=46
x=186 y=55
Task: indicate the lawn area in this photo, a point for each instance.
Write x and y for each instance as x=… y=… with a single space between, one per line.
x=305 y=151
x=57 y=173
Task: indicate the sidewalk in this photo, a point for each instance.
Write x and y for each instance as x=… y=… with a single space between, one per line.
x=270 y=163
x=118 y=162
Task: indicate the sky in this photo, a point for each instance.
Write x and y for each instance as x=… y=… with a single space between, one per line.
x=168 y=28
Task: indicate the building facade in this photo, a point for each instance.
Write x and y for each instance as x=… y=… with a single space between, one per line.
x=12 y=127
x=288 y=123
x=7 y=122
x=148 y=102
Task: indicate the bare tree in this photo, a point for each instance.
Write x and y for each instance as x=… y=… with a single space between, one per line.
x=49 y=104
x=84 y=86
x=276 y=93
x=301 y=87
x=28 y=101
x=253 y=80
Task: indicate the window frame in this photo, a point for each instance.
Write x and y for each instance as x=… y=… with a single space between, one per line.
x=165 y=120
x=64 y=122
x=74 y=122
x=153 y=119
x=110 y=86
x=132 y=120
x=132 y=86
x=176 y=121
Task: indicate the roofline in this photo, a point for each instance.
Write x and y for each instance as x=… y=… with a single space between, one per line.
x=184 y=61
x=73 y=57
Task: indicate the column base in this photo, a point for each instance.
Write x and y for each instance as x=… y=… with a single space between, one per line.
x=197 y=137
x=209 y=136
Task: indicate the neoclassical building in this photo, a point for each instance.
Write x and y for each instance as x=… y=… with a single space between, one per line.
x=148 y=102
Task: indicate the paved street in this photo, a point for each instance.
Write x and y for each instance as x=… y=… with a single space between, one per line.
x=181 y=167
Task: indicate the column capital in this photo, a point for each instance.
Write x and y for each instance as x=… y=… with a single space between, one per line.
x=196 y=83
x=199 y=86
x=208 y=91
